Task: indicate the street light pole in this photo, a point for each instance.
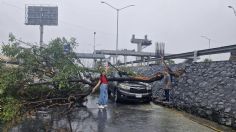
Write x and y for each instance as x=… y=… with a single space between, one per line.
x=233 y=9
x=117 y=23
x=94 y=41
x=233 y=53
x=209 y=40
x=117 y=33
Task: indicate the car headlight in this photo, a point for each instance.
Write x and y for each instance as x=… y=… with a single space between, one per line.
x=123 y=86
x=149 y=87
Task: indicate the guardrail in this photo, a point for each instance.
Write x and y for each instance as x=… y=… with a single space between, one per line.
x=218 y=50
x=125 y=53
x=90 y=56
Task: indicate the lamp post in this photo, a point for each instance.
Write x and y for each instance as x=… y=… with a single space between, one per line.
x=94 y=41
x=233 y=53
x=233 y=9
x=117 y=21
x=209 y=40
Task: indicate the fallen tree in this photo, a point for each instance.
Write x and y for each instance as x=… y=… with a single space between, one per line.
x=47 y=76
x=44 y=77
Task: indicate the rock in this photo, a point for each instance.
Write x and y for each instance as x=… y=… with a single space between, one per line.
x=220 y=107
x=232 y=101
x=222 y=120
x=205 y=89
x=203 y=104
x=222 y=95
x=203 y=84
x=181 y=80
x=213 y=65
x=189 y=81
x=227 y=110
x=223 y=73
x=209 y=112
x=228 y=122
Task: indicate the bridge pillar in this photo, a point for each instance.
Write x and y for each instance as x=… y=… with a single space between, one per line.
x=195 y=56
x=148 y=58
x=125 y=60
x=139 y=49
x=114 y=59
x=94 y=63
x=232 y=55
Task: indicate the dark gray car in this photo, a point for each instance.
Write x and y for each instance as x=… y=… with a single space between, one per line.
x=130 y=91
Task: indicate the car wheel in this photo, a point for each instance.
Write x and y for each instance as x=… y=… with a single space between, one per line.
x=109 y=93
x=147 y=101
x=116 y=96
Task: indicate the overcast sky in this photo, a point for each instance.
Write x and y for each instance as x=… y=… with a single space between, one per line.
x=178 y=23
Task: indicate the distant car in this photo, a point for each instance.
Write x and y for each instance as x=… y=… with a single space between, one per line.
x=130 y=91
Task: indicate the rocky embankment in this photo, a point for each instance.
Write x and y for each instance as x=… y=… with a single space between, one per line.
x=207 y=89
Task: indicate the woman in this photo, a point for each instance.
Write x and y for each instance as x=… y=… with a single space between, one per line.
x=103 y=96
x=167 y=80
x=167 y=83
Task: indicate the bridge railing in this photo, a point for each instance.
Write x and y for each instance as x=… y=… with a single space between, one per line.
x=218 y=50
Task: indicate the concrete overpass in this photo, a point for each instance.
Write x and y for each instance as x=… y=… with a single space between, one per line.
x=194 y=54
x=90 y=56
x=126 y=53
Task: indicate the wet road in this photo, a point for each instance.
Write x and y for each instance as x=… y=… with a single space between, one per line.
x=115 y=118
x=143 y=118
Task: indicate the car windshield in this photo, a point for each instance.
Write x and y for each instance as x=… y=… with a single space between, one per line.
x=118 y=74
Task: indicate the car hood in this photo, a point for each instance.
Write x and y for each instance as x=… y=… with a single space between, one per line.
x=138 y=84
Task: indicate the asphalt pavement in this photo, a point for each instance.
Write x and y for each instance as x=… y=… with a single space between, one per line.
x=115 y=118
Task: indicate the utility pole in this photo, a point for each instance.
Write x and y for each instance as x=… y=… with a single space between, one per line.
x=41 y=35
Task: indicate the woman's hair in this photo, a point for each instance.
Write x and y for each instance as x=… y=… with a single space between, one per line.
x=102 y=71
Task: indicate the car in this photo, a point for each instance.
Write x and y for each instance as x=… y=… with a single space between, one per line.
x=130 y=91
